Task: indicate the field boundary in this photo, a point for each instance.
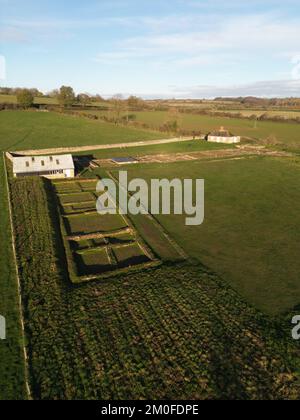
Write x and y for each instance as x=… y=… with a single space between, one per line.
x=19 y=289
x=101 y=147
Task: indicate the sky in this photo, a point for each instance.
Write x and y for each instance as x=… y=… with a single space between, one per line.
x=153 y=48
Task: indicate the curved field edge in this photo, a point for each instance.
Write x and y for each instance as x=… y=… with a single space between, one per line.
x=174 y=332
x=12 y=379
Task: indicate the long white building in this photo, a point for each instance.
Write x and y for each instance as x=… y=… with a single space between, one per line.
x=61 y=166
x=223 y=136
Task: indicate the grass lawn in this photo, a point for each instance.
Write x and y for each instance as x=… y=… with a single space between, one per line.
x=77 y=198
x=129 y=255
x=67 y=187
x=88 y=186
x=12 y=384
x=121 y=238
x=79 y=208
x=34 y=130
x=251 y=231
x=93 y=223
x=92 y=262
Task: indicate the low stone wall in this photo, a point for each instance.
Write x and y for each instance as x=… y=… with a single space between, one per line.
x=68 y=150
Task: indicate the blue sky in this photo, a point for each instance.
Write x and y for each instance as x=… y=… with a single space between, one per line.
x=153 y=48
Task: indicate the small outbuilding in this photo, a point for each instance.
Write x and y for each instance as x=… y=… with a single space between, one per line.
x=61 y=166
x=223 y=136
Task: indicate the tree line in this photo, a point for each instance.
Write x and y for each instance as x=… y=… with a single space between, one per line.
x=66 y=97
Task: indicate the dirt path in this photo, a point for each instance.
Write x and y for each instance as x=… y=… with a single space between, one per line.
x=61 y=150
x=243 y=151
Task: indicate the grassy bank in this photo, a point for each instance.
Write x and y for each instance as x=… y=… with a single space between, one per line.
x=12 y=383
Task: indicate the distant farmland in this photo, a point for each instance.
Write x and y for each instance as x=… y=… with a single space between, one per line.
x=285 y=133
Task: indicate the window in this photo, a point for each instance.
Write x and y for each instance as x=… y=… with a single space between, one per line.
x=51 y=158
x=43 y=163
x=57 y=161
x=33 y=159
x=27 y=164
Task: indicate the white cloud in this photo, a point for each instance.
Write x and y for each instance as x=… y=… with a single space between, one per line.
x=233 y=40
x=275 y=88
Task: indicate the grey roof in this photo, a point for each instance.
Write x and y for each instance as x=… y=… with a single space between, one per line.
x=31 y=164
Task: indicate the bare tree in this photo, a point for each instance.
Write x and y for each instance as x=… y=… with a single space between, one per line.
x=118 y=107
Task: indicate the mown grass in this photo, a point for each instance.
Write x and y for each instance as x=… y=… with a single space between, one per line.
x=251 y=234
x=92 y=262
x=130 y=255
x=77 y=198
x=12 y=382
x=93 y=223
x=34 y=130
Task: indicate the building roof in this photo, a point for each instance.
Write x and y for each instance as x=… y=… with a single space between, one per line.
x=32 y=164
x=222 y=132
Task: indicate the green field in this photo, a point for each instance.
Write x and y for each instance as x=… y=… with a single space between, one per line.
x=130 y=255
x=34 y=130
x=286 y=133
x=270 y=113
x=251 y=231
x=124 y=341
x=77 y=198
x=12 y=99
x=182 y=330
x=92 y=262
x=93 y=223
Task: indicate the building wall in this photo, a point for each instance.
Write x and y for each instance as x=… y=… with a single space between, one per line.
x=67 y=173
x=227 y=140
